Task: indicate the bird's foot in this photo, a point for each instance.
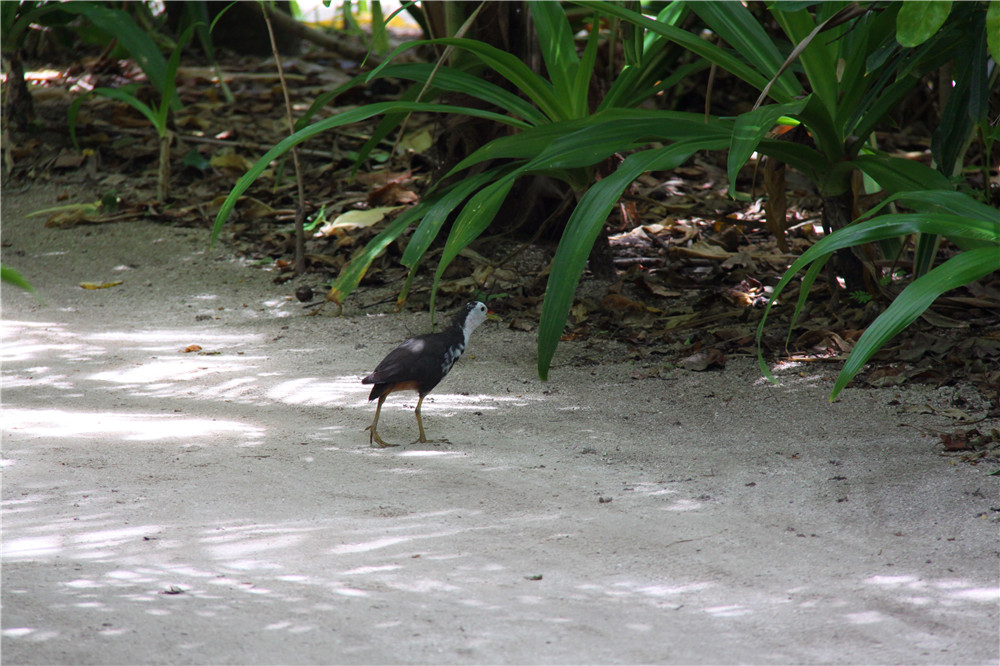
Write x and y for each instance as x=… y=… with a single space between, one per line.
x=424 y=440
x=375 y=440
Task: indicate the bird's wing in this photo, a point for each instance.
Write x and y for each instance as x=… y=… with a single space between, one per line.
x=402 y=364
x=420 y=359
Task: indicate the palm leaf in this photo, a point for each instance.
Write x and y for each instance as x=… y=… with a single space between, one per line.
x=582 y=229
x=913 y=301
x=345 y=118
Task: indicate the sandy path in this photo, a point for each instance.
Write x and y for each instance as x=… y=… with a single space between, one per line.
x=225 y=507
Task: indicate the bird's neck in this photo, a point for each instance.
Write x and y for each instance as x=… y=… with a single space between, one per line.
x=466 y=329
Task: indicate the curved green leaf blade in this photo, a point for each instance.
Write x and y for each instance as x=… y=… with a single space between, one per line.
x=892 y=226
x=437 y=213
x=454 y=80
x=993 y=29
x=579 y=93
x=355 y=270
x=11 y=276
x=169 y=100
x=750 y=129
x=735 y=24
x=555 y=41
x=505 y=64
x=943 y=201
x=582 y=229
x=121 y=95
x=692 y=42
x=345 y=118
x=947 y=202
x=325 y=98
x=818 y=55
x=472 y=222
x=582 y=148
x=913 y=301
x=881 y=228
x=897 y=174
x=133 y=38
x=632 y=124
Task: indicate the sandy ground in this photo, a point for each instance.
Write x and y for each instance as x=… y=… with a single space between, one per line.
x=226 y=507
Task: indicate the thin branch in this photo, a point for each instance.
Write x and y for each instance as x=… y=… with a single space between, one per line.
x=300 y=213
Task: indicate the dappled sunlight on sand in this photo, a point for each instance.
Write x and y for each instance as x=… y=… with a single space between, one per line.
x=307 y=540
x=153 y=364
x=317 y=392
x=949 y=591
x=123 y=426
x=408 y=561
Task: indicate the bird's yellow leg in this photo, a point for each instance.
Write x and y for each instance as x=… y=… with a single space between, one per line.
x=420 y=424
x=374 y=438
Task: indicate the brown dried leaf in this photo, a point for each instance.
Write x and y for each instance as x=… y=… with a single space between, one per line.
x=101 y=285
x=622 y=303
x=822 y=342
x=231 y=161
x=704 y=250
x=68 y=160
x=380 y=178
x=704 y=359
x=357 y=219
x=521 y=324
x=254 y=209
x=955 y=441
x=742 y=259
x=655 y=288
x=391 y=194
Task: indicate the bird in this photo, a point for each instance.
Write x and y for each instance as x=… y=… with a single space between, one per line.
x=421 y=362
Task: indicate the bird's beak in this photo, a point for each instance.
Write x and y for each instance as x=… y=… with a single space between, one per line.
x=493 y=316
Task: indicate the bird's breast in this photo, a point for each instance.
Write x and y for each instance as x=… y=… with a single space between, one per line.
x=451 y=355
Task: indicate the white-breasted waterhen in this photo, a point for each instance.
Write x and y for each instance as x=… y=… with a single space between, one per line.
x=421 y=362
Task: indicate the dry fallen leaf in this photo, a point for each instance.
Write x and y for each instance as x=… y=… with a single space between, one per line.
x=254 y=209
x=231 y=161
x=955 y=441
x=704 y=359
x=100 y=285
x=953 y=413
x=384 y=177
x=419 y=141
x=357 y=219
x=656 y=289
x=676 y=321
x=392 y=193
x=521 y=324
x=704 y=250
x=619 y=302
x=191 y=348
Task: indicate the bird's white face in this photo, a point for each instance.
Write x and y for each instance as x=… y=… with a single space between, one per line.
x=476 y=317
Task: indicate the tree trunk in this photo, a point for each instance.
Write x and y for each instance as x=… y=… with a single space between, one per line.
x=838 y=212
x=18 y=104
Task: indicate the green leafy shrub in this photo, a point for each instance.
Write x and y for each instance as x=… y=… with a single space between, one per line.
x=973 y=225
x=848 y=67
x=556 y=135
x=839 y=87
x=159 y=117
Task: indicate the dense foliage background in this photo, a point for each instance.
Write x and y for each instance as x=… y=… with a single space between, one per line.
x=705 y=165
